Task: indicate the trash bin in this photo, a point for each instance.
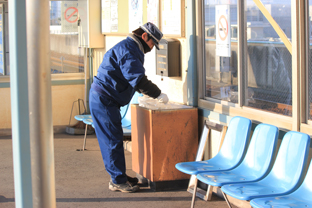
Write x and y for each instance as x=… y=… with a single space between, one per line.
x=160 y=139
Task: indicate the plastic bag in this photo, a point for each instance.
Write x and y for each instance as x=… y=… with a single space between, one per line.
x=154 y=104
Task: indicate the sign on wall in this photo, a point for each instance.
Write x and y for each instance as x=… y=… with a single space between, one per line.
x=153 y=11
x=223 y=31
x=69 y=16
x=109 y=15
x=171 y=17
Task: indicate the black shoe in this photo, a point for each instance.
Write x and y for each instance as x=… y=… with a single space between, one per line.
x=133 y=181
x=123 y=187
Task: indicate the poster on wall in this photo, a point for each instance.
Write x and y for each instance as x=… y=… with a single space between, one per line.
x=114 y=16
x=152 y=11
x=109 y=16
x=171 y=17
x=69 y=16
x=135 y=14
x=223 y=32
x=105 y=4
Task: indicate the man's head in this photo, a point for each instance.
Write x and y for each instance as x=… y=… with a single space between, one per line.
x=150 y=34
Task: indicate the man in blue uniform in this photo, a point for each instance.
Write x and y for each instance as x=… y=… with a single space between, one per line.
x=120 y=74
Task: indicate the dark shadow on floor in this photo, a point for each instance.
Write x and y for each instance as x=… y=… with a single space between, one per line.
x=4 y=199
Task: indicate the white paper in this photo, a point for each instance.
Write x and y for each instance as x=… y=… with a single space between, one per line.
x=69 y=16
x=152 y=11
x=106 y=16
x=135 y=14
x=171 y=17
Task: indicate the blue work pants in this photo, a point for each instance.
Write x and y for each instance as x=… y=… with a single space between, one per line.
x=107 y=123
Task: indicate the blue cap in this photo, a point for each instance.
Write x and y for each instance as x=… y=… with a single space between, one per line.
x=154 y=32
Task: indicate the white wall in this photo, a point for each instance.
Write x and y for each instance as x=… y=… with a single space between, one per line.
x=175 y=87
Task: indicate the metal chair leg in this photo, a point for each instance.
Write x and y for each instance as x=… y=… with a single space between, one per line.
x=194 y=193
x=85 y=138
x=226 y=199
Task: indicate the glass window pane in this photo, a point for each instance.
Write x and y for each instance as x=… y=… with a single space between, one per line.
x=268 y=60
x=310 y=64
x=66 y=56
x=221 y=50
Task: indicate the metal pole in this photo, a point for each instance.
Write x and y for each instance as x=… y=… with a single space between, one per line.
x=40 y=107
x=19 y=104
x=194 y=193
x=86 y=70
x=192 y=82
x=226 y=199
x=90 y=80
x=296 y=59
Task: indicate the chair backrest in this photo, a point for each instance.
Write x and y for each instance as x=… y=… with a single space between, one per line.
x=235 y=141
x=262 y=147
x=305 y=190
x=125 y=111
x=290 y=161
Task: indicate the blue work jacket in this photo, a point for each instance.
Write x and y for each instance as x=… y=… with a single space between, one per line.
x=120 y=71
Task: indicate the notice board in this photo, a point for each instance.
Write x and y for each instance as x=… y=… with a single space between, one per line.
x=115 y=15
x=120 y=17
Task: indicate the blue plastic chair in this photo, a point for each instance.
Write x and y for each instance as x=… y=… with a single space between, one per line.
x=125 y=112
x=286 y=174
x=230 y=154
x=299 y=198
x=125 y=121
x=81 y=117
x=255 y=165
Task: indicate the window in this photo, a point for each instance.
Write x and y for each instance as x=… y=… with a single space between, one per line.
x=66 y=56
x=269 y=62
x=221 y=71
x=266 y=76
x=310 y=64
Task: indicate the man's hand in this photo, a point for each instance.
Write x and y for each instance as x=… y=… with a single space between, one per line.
x=163 y=98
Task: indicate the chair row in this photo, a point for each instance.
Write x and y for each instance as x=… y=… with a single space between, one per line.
x=250 y=172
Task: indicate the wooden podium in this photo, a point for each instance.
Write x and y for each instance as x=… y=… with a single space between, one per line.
x=162 y=138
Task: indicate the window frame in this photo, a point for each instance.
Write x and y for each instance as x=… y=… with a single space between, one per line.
x=298 y=121
x=58 y=77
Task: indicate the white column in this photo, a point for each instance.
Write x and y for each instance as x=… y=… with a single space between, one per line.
x=19 y=104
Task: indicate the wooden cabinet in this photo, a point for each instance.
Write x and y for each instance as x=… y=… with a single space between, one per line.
x=162 y=138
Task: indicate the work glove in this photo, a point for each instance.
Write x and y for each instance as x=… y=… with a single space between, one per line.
x=163 y=98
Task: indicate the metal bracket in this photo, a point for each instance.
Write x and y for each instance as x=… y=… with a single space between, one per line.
x=205 y=194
